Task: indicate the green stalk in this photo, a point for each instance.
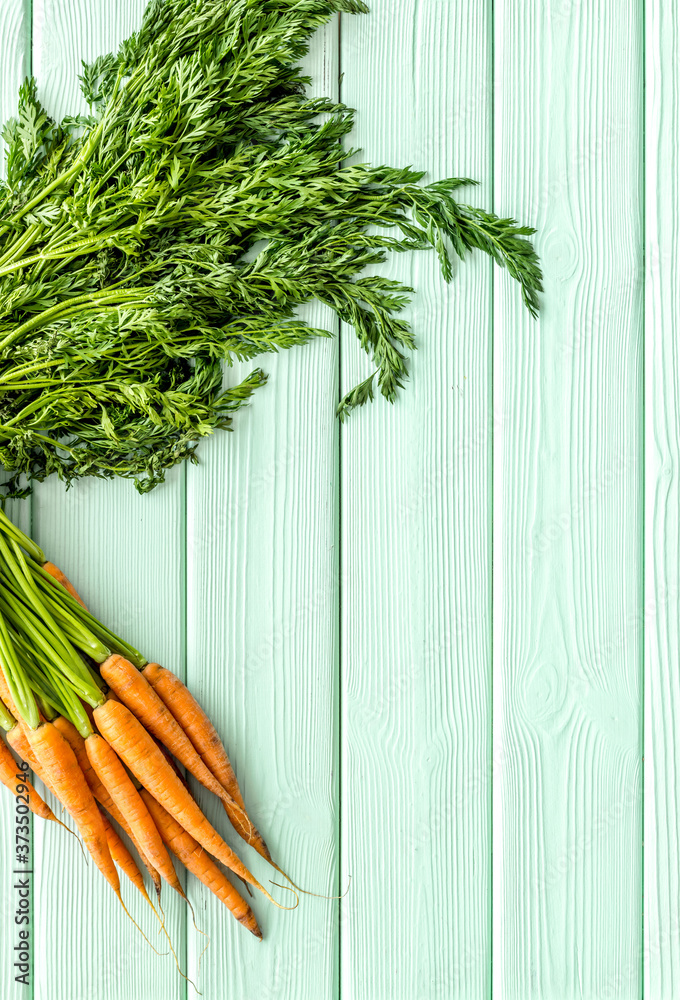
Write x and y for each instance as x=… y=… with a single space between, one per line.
x=16 y=679
x=41 y=437
x=7 y=721
x=18 y=372
x=21 y=580
x=78 y=635
x=73 y=709
x=71 y=307
x=44 y=679
x=80 y=679
x=21 y=244
x=10 y=529
x=47 y=710
x=58 y=595
x=65 y=177
x=40 y=691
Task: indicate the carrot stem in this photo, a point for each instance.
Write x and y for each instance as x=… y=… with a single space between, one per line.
x=15 y=678
x=11 y=530
x=7 y=721
x=61 y=597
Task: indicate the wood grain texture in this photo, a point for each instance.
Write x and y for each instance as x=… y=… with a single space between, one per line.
x=661 y=612
x=124 y=553
x=567 y=848
x=474 y=765
x=15 y=65
x=416 y=544
x=262 y=652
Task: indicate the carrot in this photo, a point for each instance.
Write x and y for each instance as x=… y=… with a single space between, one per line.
x=63 y=773
x=201 y=732
x=61 y=578
x=16 y=737
x=137 y=749
x=123 y=858
x=6 y=696
x=115 y=779
x=134 y=690
x=77 y=743
x=9 y=778
x=195 y=860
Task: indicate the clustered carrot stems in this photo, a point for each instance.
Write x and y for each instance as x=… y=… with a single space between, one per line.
x=100 y=726
x=179 y=225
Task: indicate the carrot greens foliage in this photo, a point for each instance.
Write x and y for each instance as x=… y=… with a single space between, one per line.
x=179 y=226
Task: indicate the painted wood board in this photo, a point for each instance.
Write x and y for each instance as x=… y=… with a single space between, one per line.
x=262 y=648
x=125 y=555
x=661 y=610
x=15 y=30
x=416 y=546
x=568 y=516
x=332 y=602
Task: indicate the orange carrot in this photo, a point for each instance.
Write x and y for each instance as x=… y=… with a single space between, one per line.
x=115 y=779
x=61 y=578
x=77 y=743
x=63 y=772
x=9 y=777
x=138 y=750
x=6 y=696
x=123 y=858
x=201 y=732
x=134 y=690
x=16 y=737
x=195 y=860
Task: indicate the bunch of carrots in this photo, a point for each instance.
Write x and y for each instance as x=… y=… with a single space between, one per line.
x=104 y=729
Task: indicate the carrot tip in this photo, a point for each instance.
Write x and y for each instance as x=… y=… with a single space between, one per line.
x=248 y=923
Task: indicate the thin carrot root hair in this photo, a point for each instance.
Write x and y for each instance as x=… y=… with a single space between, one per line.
x=208 y=942
x=55 y=819
x=198 y=931
x=308 y=892
x=288 y=888
x=130 y=917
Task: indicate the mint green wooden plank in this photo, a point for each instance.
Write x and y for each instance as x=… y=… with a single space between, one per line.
x=662 y=503
x=15 y=65
x=568 y=508
x=416 y=546
x=15 y=30
x=262 y=652
x=124 y=553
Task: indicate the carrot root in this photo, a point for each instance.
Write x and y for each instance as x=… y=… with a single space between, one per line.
x=196 y=860
x=202 y=734
x=138 y=750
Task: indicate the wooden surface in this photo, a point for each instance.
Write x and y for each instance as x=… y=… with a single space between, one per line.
x=660 y=614
x=416 y=549
x=437 y=640
x=568 y=474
